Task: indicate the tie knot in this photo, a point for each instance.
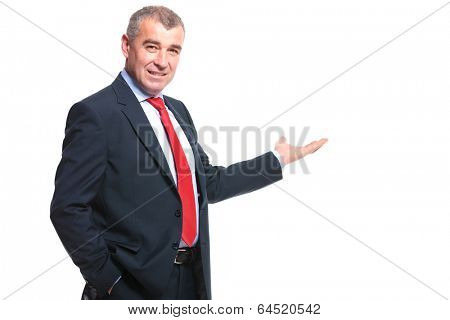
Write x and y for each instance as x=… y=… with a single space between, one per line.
x=157 y=102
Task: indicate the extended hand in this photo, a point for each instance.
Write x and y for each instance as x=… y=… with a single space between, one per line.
x=290 y=153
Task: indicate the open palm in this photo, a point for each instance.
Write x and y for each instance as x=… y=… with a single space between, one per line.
x=290 y=153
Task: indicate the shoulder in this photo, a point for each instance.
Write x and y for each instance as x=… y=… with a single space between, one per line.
x=102 y=100
x=101 y=104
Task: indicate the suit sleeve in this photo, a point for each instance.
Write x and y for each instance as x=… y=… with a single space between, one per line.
x=78 y=179
x=239 y=178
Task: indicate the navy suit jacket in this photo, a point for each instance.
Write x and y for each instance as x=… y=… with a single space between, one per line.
x=115 y=206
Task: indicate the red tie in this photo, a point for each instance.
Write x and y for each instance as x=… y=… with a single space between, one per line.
x=184 y=178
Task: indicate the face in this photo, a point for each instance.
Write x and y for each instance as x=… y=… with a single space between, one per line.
x=152 y=57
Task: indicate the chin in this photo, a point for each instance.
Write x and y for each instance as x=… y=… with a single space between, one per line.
x=154 y=90
x=151 y=87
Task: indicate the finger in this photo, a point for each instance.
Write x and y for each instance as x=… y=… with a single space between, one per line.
x=321 y=142
x=316 y=145
x=313 y=146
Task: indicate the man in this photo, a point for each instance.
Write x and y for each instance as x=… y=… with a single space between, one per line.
x=133 y=185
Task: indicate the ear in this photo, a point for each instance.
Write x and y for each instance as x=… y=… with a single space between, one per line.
x=125 y=45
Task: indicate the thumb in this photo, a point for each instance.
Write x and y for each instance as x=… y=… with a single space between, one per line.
x=282 y=139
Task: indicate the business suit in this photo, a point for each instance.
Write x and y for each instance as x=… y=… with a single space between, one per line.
x=116 y=208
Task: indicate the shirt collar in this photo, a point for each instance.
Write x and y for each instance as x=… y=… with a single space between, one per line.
x=140 y=94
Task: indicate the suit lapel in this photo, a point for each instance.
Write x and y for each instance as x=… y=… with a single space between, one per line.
x=189 y=134
x=139 y=121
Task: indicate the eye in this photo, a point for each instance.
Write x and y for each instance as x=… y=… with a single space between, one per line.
x=151 y=47
x=174 y=51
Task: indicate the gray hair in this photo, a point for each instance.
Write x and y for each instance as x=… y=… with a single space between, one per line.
x=167 y=17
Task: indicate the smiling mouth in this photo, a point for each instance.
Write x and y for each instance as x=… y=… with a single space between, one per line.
x=157 y=74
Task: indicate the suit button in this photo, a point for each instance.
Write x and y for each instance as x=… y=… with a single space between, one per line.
x=178 y=213
x=174 y=246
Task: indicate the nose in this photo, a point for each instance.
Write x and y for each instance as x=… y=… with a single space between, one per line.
x=161 y=59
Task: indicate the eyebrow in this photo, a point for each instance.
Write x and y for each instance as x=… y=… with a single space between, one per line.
x=151 y=41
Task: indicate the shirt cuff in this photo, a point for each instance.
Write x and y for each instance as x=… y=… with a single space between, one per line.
x=278 y=156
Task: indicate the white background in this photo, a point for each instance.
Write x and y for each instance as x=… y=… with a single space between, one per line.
x=383 y=177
